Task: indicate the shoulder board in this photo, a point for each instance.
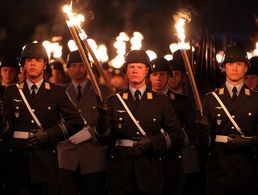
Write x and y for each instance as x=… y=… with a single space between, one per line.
x=172 y=96
x=220 y=91
x=47 y=86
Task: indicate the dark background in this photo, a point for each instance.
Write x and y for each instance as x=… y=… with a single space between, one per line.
x=232 y=22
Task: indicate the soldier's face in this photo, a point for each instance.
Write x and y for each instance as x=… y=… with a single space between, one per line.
x=235 y=71
x=77 y=71
x=136 y=73
x=8 y=75
x=158 y=80
x=251 y=81
x=177 y=79
x=34 y=67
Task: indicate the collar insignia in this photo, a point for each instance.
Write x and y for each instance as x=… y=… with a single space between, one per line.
x=47 y=86
x=247 y=92
x=149 y=96
x=125 y=96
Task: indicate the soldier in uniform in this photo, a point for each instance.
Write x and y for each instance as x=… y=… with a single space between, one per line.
x=135 y=166
x=233 y=165
x=82 y=160
x=251 y=77
x=35 y=130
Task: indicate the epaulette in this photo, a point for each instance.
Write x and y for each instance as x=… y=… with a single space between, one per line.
x=221 y=91
x=172 y=96
x=47 y=86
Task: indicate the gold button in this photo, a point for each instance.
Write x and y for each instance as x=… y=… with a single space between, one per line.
x=120 y=119
x=233 y=116
x=218 y=115
x=249 y=114
x=154 y=120
x=49 y=108
x=32 y=121
x=232 y=127
x=17 y=107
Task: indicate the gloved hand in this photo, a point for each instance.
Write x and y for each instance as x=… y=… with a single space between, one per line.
x=81 y=136
x=238 y=141
x=37 y=138
x=142 y=146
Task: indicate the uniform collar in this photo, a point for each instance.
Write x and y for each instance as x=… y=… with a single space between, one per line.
x=142 y=90
x=83 y=85
x=230 y=87
x=38 y=84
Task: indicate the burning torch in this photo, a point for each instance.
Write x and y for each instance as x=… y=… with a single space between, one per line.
x=181 y=18
x=72 y=22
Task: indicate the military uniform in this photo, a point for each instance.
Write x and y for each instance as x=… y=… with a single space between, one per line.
x=154 y=112
x=58 y=117
x=230 y=167
x=88 y=157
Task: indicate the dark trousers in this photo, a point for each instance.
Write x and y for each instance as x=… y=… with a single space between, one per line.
x=74 y=183
x=126 y=192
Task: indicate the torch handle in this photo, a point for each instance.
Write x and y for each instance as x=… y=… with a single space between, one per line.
x=98 y=65
x=86 y=63
x=192 y=81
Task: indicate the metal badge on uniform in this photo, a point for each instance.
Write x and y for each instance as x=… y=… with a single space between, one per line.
x=17 y=114
x=149 y=96
x=125 y=96
x=247 y=92
x=221 y=91
x=218 y=107
x=121 y=111
x=47 y=86
x=16 y=100
x=172 y=96
x=218 y=121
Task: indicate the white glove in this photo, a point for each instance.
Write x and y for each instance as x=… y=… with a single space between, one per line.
x=81 y=136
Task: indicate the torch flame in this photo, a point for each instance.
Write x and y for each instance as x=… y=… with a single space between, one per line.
x=136 y=41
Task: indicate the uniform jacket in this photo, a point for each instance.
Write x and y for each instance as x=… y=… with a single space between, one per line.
x=90 y=156
x=230 y=167
x=50 y=105
x=153 y=113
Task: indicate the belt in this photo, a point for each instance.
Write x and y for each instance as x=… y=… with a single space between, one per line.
x=21 y=134
x=226 y=139
x=125 y=142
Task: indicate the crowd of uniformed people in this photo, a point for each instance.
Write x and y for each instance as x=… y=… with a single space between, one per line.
x=59 y=137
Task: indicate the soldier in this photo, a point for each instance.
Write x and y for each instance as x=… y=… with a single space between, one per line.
x=82 y=160
x=58 y=75
x=37 y=115
x=9 y=69
x=135 y=166
x=232 y=165
x=161 y=70
x=251 y=77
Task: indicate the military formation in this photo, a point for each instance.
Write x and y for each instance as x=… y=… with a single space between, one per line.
x=59 y=138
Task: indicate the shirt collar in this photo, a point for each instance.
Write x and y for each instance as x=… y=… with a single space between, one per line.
x=230 y=87
x=83 y=84
x=38 y=84
x=142 y=90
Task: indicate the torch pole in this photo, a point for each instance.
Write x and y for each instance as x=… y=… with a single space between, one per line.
x=96 y=61
x=192 y=81
x=84 y=58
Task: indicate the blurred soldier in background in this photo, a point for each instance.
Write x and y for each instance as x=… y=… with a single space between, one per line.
x=233 y=165
x=135 y=165
x=82 y=160
x=251 y=77
x=9 y=69
x=58 y=75
x=37 y=115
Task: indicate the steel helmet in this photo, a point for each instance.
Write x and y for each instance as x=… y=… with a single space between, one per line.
x=160 y=64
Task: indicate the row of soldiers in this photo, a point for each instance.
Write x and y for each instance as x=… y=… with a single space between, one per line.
x=146 y=139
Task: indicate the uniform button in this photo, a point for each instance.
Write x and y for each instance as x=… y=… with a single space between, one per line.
x=10 y=150
x=54 y=151
x=218 y=115
x=160 y=159
x=33 y=110
x=49 y=108
x=138 y=121
x=94 y=107
x=120 y=119
x=249 y=114
x=112 y=156
x=17 y=107
x=154 y=120
x=233 y=116
x=32 y=121
x=138 y=133
x=232 y=127
x=179 y=156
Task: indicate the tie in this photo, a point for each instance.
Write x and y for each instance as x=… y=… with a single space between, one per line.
x=79 y=93
x=137 y=96
x=234 y=91
x=33 y=90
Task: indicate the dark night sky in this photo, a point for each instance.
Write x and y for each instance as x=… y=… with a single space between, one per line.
x=23 y=21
